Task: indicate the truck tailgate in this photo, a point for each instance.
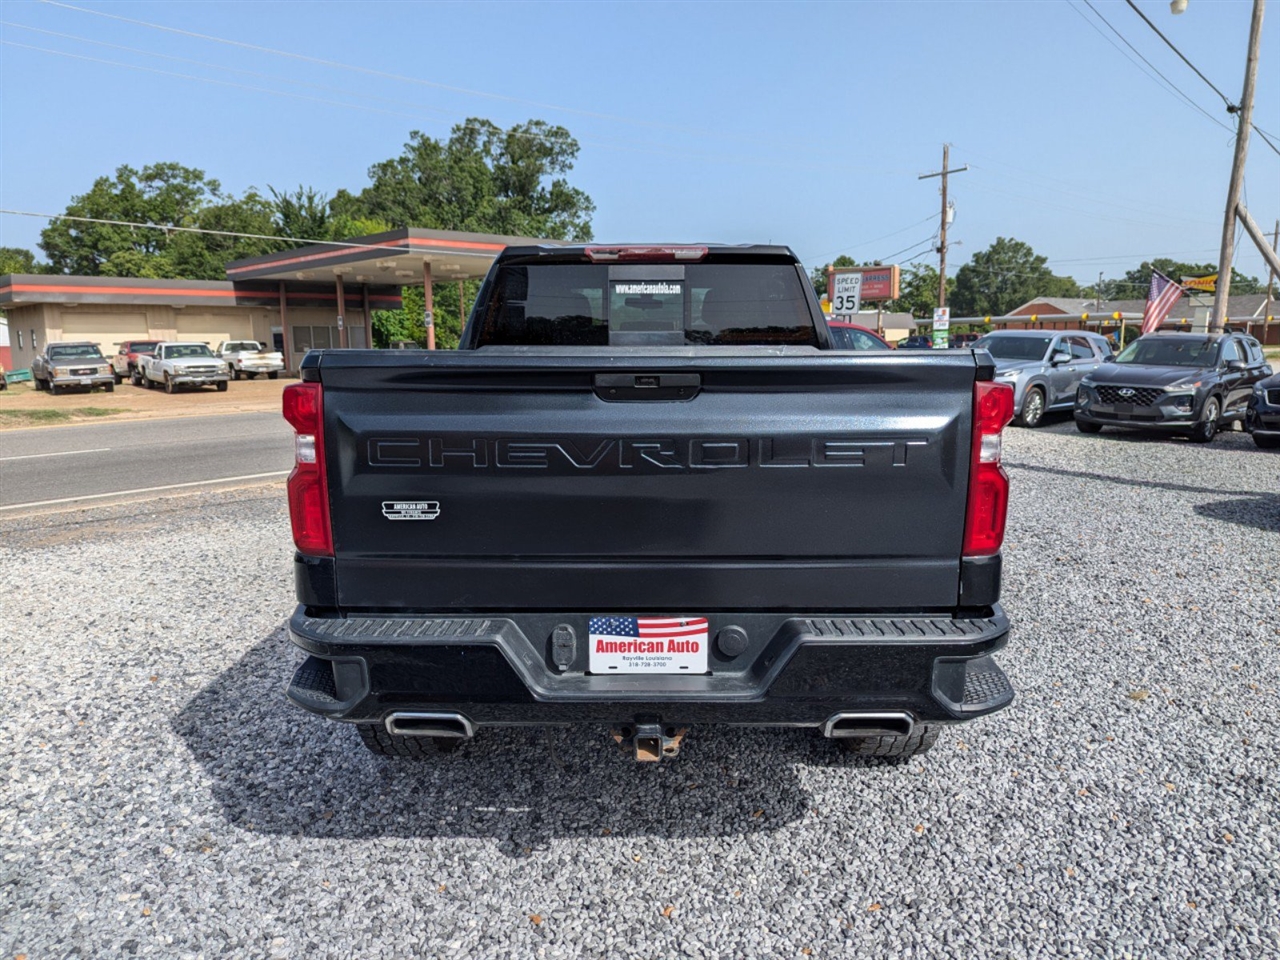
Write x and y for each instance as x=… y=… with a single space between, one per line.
x=512 y=478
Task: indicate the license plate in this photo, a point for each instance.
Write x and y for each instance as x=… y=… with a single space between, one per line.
x=648 y=644
x=86 y=382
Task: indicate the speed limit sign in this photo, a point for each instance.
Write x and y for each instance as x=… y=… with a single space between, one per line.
x=846 y=297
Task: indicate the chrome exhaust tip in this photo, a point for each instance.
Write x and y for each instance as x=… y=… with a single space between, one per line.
x=893 y=723
x=412 y=724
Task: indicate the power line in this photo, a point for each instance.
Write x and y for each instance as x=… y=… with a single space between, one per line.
x=929 y=239
x=737 y=158
x=1231 y=107
x=867 y=243
x=218 y=233
x=211 y=66
x=356 y=68
x=1171 y=86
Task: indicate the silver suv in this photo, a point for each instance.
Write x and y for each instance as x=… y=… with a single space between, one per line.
x=1044 y=367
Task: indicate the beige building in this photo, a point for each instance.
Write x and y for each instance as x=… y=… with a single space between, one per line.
x=315 y=297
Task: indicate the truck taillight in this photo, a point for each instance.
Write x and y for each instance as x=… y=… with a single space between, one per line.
x=988 y=503
x=308 y=489
x=645 y=254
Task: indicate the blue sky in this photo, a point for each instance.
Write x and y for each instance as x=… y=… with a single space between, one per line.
x=799 y=123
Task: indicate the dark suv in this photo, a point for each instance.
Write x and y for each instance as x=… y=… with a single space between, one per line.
x=1262 y=419
x=1183 y=382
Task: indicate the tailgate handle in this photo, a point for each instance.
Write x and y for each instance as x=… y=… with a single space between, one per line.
x=631 y=387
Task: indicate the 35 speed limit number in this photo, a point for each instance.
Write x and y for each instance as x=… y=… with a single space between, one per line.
x=846 y=297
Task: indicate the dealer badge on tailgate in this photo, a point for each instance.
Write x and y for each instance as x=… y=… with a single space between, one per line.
x=648 y=644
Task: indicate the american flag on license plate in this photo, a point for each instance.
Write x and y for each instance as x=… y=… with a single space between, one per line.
x=648 y=628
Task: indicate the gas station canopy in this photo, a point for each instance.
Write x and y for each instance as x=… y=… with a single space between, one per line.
x=393 y=258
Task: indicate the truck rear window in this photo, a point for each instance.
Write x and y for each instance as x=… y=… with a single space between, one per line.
x=581 y=304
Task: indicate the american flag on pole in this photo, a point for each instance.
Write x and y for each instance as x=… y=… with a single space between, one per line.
x=1164 y=293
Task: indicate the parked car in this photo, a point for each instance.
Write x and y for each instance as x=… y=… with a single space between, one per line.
x=1044 y=367
x=852 y=336
x=248 y=358
x=961 y=340
x=176 y=365
x=125 y=362
x=1190 y=383
x=1262 y=417
x=640 y=525
x=64 y=365
x=916 y=343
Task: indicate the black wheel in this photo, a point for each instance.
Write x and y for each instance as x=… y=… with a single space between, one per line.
x=273 y=374
x=375 y=737
x=222 y=386
x=118 y=378
x=1084 y=426
x=168 y=384
x=134 y=378
x=920 y=741
x=235 y=374
x=54 y=389
x=145 y=382
x=1032 y=408
x=1207 y=428
x=1266 y=443
x=110 y=387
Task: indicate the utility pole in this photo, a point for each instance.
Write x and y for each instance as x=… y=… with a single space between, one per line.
x=1098 y=290
x=1244 y=121
x=942 y=229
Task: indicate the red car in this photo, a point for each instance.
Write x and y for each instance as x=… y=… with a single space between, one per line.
x=125 y=362
x=851 y=336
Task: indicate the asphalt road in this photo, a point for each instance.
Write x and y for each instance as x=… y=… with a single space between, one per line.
x=50 y=466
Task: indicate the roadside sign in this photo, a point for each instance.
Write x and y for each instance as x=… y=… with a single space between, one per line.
x=878 y=283
x=847 y=295
x=941 y=327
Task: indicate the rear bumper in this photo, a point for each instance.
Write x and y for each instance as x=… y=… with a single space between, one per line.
x=796 y=670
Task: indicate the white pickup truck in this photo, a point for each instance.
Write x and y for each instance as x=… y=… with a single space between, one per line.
x=248 y=358
x=177 y=365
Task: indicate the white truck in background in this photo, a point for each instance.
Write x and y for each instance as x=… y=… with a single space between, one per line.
x=177 y=365
x=248 y=358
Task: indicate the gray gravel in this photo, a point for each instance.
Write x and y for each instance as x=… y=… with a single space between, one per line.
x=160 y=799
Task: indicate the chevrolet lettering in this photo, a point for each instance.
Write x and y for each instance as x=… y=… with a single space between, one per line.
x=466 y=454
x=662 y=500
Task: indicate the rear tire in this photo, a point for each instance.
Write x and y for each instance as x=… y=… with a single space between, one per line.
x=1207 y=428
x=168 y=384
x=118 y=378
x=1266 y=443
x=222 y=386
x=377 y=740
x=919 y=742
x=54 y=389
x=1032 y=409
x=1084 y=426
x=110 y=388
x=272 y=375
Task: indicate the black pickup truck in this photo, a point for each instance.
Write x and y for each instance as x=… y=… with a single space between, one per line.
x=646 y=494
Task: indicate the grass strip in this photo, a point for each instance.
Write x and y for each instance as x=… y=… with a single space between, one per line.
x=20 y=416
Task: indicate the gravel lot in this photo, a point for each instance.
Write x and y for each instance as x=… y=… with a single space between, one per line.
x=160 y=799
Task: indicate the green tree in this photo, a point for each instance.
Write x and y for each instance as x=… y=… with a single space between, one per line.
x=918 y=291
x=1138 y=280
x=164 y=194
x=1003 y=277
x=18 y=260
x=303 y=213
x=483 y=179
